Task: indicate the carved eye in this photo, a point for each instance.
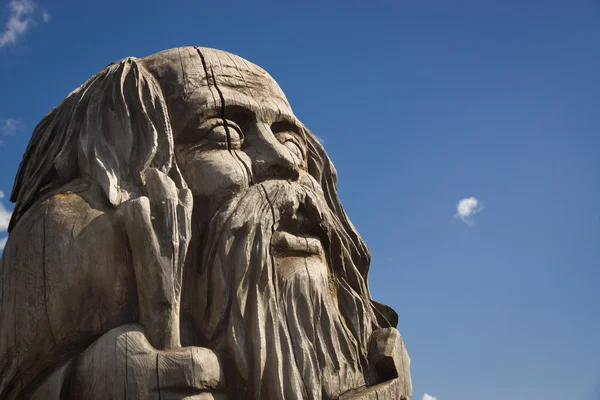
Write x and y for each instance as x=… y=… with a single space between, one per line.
x=235 y=133
x=291 y=141
x=287 y=133
x=223 y=131
x=217 y=134
x=213 y=132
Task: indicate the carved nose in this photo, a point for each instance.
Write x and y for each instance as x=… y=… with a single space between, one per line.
x=274 y=160
x=277 y=171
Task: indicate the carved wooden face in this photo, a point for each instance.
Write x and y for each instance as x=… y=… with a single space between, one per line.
x=240 y=130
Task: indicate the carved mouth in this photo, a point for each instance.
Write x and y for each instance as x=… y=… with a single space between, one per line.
x=298 y=234
x=287 y=244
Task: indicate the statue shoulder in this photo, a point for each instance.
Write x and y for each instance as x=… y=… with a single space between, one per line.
x=74 y=207
x=67 y=269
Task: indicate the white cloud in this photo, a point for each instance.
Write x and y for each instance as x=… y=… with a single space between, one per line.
x=45 y=16
x=10 y=126
x=3 y=243
x=4 y=215
x=20 y=20
x=467 y=208
x=428 y=397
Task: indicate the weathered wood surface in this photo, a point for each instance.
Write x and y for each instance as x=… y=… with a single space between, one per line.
x=386 y=390
x=177 y=234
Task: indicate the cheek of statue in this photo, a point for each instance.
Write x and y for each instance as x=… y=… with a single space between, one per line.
x=214 y=176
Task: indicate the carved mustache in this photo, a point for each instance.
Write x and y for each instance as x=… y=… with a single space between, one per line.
x=298 y=207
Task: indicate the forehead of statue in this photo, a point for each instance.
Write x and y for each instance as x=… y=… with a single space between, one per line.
x=199 y=81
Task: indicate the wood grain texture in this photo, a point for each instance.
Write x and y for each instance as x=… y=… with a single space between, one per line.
x=177 y=234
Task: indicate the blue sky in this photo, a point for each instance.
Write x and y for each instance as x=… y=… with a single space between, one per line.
x=420 y=104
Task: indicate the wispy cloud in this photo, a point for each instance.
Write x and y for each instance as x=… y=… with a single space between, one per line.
x=428 y=397
x=10 y=126
x=4 y=215
x=4 y=219
x=20 y=19
x=467 y=208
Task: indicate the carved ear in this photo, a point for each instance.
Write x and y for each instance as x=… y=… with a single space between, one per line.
x=124 y=131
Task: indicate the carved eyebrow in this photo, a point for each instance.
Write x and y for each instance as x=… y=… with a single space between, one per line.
x=236 y=113
x=240 y=115
x=286 y=125
x=245 y=114
x=204 y=113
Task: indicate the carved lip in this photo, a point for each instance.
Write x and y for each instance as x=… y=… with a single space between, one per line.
x=287 y=244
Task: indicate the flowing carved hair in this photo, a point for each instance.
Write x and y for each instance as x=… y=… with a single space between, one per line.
x=111 y=129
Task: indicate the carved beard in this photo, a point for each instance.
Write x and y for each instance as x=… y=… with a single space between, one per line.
x=287 y=327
